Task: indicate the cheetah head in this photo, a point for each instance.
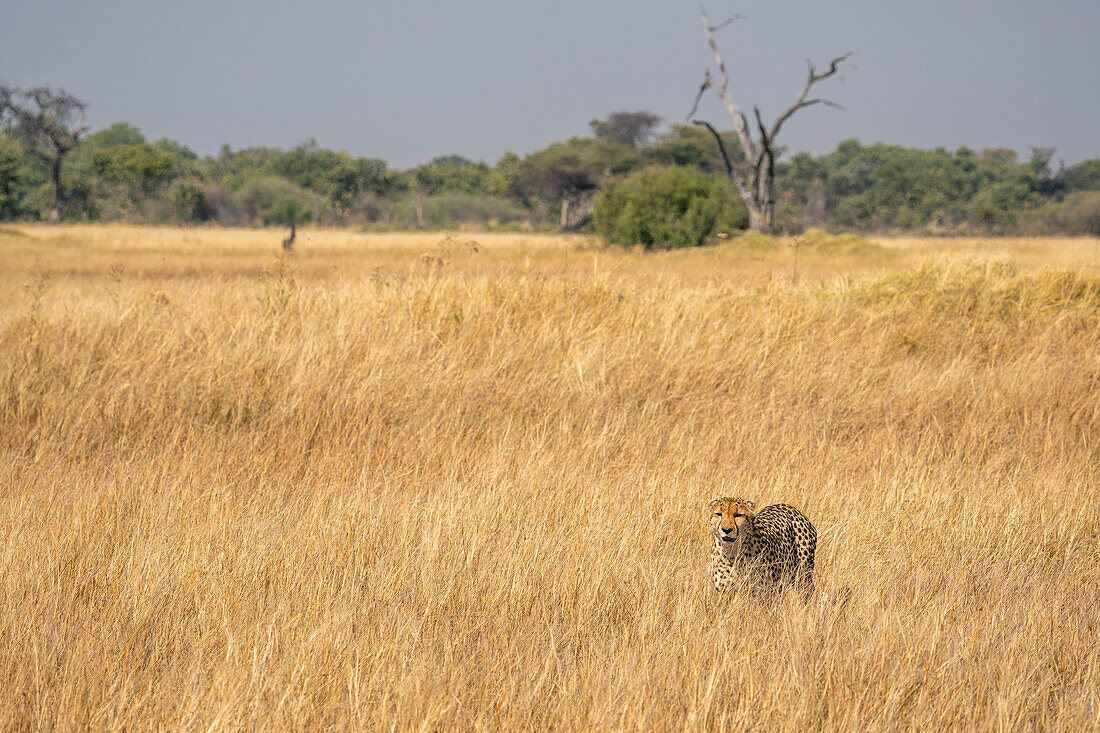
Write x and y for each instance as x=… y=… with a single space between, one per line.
x=729 y=517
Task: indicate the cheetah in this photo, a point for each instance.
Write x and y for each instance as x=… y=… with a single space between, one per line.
x=768 y=548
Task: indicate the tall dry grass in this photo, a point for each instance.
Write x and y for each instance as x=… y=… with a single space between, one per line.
x=389 y=492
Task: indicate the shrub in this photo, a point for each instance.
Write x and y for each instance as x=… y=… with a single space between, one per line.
x=10 y=183
x=1080 y=213
x=225 y=206
x=454 y=207
x=372 y=209
x=276 y=200
x=287 y=209
x=789 y=219
x=999 y=205
x=189 y=201
x=669 y=207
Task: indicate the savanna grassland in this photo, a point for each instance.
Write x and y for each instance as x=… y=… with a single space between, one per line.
x=394 y=482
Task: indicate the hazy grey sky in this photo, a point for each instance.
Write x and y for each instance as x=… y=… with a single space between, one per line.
x=407 y=81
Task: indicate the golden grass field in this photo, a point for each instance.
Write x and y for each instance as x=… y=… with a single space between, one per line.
x=384 y=483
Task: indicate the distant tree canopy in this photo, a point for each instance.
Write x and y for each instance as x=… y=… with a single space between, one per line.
x=141 y=167
x=890 y=187
x=116 y=174
x=626 y=128
x=1085 y=176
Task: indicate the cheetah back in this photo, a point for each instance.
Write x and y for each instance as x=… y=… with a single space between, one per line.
x=785 y=543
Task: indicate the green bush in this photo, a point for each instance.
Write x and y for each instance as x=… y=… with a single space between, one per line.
x=189 y=201
x=276 y=200
x=454 y=207
x=225 y=206
x=1080 y=213
x=788 y=219
x=10 y=183
x=999 y=205
x=287 y=209
x=660 y=207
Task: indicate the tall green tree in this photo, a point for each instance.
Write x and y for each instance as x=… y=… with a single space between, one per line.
x=10 y=183
x=50 y=125
x=138 y=169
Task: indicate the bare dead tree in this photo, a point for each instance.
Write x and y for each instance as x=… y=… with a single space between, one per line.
x=759 y=191
x=50 y=124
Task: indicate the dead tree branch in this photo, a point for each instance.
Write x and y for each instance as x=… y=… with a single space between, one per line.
x=802 y=102
x=720 y=87
x=737 y=180
x=725 y=22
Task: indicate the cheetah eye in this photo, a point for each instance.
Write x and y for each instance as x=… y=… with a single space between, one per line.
x=735 y=516
x=718 y=514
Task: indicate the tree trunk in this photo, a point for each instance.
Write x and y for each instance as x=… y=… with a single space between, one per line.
x=756 y=219
x=765 y=201
x=55 y=180
x=564 y=214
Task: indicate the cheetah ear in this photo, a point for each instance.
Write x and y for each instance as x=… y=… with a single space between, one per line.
x=752 y=505
x=713 y=503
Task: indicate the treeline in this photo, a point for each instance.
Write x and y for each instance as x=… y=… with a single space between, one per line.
x=116 y=174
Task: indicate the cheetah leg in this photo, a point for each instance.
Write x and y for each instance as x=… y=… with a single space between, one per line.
x=806 y=576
